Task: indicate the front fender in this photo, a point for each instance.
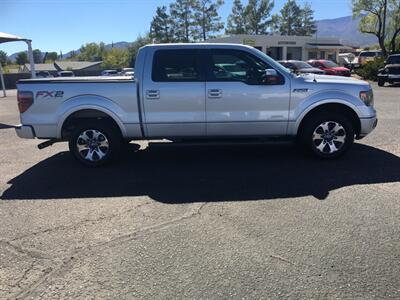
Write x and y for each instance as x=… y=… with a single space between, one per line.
x=318 y=99
x=94 y=102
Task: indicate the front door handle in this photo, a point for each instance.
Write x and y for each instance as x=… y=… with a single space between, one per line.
x=152 y=94
x=214 y=93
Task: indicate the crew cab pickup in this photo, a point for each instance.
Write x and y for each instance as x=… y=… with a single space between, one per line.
x=196 y=91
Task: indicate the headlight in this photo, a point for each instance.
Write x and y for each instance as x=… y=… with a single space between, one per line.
x=367 y=97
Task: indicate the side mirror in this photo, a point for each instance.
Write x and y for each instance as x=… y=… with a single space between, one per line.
x=271 y=73
x=271 y=77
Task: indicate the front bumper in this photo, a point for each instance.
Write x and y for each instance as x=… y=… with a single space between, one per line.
x=367 y=126
x=25 y=131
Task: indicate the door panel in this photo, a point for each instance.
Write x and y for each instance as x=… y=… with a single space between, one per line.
x=174 y=94
x=246 y=105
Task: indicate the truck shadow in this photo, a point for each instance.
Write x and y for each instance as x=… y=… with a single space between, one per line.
x=176 y=174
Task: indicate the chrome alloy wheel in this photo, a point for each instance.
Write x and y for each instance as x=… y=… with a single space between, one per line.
x=92 y=145
x=329 y=137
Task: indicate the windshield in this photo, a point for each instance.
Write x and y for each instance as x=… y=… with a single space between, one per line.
x=393 y=60
x=302 y=65
x=329 y=64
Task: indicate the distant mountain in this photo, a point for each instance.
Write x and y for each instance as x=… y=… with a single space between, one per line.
x=119 y=45
x=346 y=29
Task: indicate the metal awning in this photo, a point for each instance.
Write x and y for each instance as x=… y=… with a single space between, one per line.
x=5 y=38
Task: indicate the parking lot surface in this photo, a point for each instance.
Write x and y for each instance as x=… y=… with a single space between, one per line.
x=166 y=221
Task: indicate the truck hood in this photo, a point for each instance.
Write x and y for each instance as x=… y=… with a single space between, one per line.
x=328 y=79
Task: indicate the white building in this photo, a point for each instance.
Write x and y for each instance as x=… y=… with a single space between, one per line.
x=289 y=47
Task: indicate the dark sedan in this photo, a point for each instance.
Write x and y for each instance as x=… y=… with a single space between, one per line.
x=298 y=66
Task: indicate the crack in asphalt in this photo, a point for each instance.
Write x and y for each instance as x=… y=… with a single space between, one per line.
x=29 y=252
x=80 y=223
x=25 y=293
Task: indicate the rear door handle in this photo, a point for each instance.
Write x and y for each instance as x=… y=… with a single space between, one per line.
x=214 y=93
x=152 y=94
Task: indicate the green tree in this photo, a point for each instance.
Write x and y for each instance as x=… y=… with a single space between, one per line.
x=373 y=14
x=257 y=15
x=3 y=58
x=183 y=18
x=290 y=19
x=22 y=58
x=308 y=26
x=136 y=45
x=90 y=52
x=52 y=56
x=237 y=19
x=115 y=58
x=209 y=21
x=37 y=56
x=161 y=26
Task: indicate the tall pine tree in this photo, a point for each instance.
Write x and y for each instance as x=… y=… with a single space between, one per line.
x=237 y=19
x=307 y=20
x=183 y=19
x=257 y=14
x=161 y=26
x=290 y=19
x=207 y=18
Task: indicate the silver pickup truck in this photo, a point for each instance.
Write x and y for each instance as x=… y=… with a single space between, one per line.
x=196 y=91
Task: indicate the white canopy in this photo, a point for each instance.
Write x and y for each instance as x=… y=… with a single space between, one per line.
x=6 y=37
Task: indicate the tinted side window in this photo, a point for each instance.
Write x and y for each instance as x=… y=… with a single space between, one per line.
x=234 y=65
x=175 y=66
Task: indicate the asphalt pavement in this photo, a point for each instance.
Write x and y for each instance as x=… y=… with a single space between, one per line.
x=202 y=222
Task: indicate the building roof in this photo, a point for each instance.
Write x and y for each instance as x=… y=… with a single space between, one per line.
x=41 y=67
x=75 y=65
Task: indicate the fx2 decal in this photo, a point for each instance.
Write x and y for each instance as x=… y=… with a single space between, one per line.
x=49 y=94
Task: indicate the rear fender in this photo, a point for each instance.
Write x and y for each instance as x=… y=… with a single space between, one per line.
x=94 y=102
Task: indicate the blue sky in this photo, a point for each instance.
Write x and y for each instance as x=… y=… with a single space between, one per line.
x=65 y=25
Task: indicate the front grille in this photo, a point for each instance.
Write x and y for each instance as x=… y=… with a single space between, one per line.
x=394 y=71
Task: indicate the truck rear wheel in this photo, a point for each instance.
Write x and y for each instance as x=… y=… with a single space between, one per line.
x=327 y=135
x=95 y=143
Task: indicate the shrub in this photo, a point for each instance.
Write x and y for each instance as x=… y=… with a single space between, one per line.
x=369 y=71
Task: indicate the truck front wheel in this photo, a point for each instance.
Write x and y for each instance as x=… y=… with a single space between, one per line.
x=381 y=82
x=327 y=135
x=95 y=143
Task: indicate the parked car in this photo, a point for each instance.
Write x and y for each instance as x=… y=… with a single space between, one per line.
x=181 y=92
x=391 y=72
x=297 y=66
x=330 y=67
x=128 y=72
x=65 y=74
x=348 y=60
x=125 y=70
x=366 y=56
x=109 y=73
x=43 y=74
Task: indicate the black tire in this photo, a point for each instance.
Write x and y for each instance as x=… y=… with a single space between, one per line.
x=309 y=135
x=106 y=141
x=381 y=82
